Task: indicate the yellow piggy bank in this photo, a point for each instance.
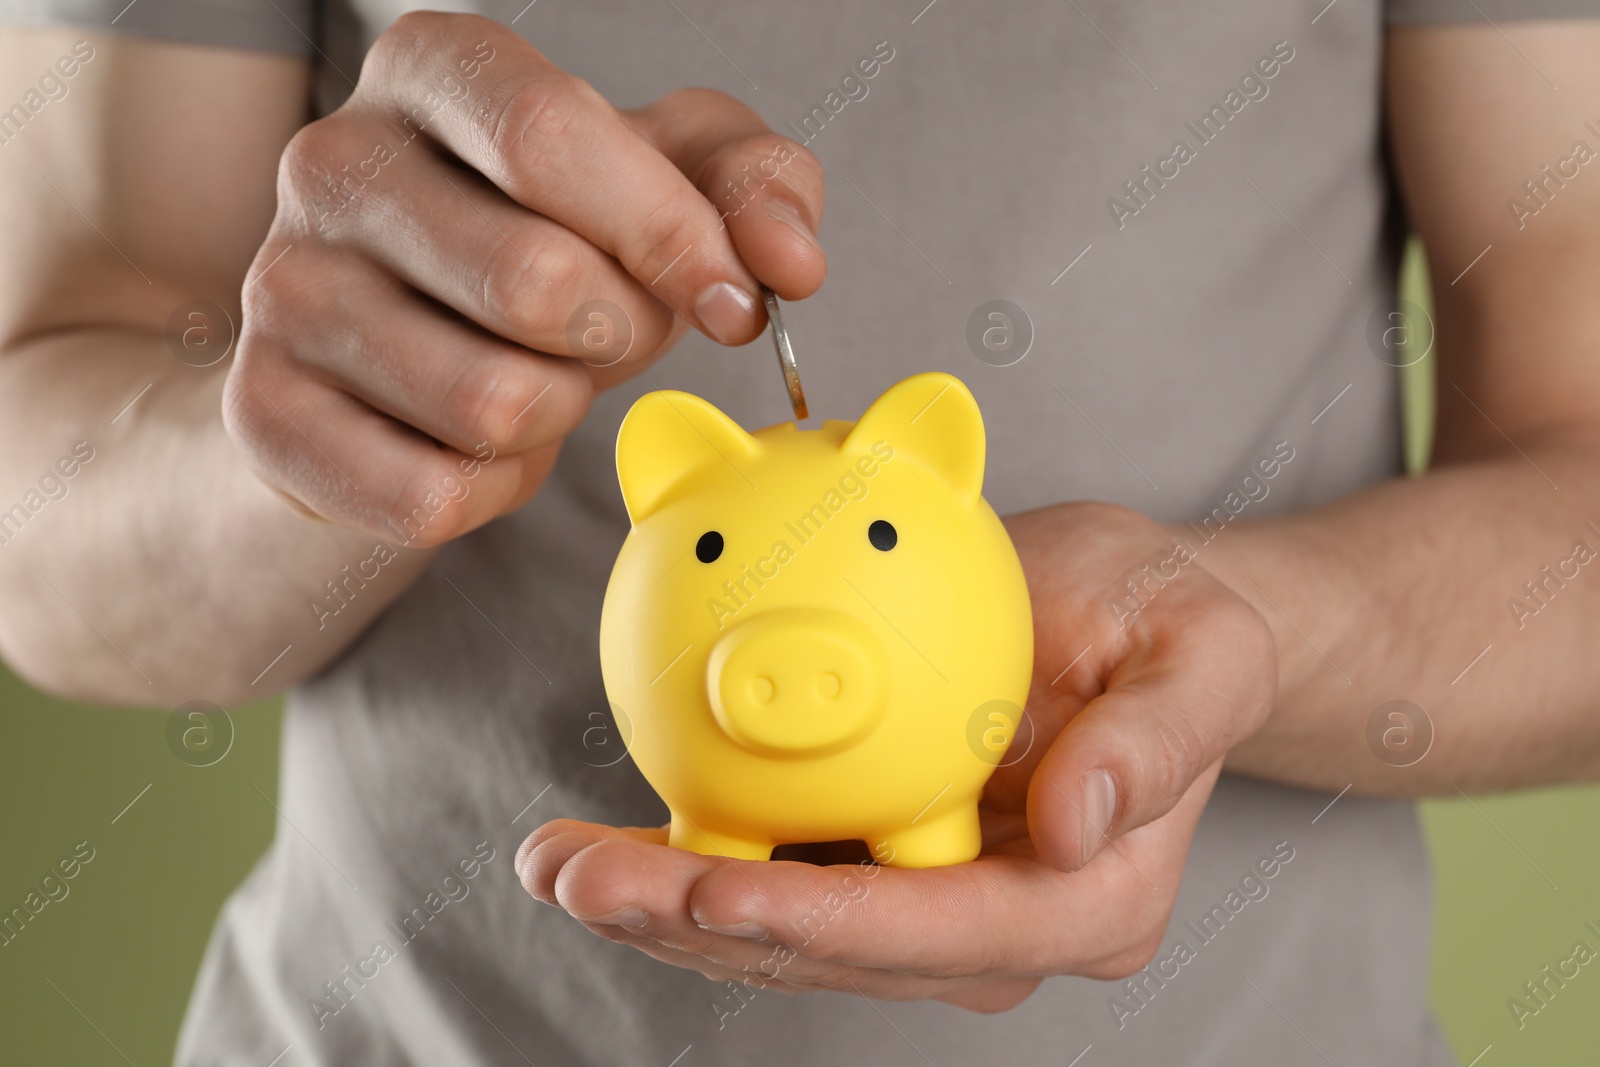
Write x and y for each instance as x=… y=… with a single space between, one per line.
x=816 y=635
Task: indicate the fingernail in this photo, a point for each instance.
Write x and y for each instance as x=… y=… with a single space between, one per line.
x=725 y=312
x=753 y=931
x=783 y=211
x=1097 y=805
x=629 y=916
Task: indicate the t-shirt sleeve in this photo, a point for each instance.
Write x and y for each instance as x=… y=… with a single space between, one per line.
x=1484 y=11
x=285 y=26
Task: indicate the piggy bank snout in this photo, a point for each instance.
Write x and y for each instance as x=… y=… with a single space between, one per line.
x=798 y=682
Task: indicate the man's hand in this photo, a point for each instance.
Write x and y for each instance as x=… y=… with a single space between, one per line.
x=414 y=304
x=408 y=294
x=1086 y=826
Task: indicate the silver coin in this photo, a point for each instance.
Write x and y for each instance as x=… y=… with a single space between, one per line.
x=780 y=339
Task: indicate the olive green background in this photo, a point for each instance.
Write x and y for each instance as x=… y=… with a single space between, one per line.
x=101 y=977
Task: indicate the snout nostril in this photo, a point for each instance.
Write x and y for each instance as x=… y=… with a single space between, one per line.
x=762 y=689
x=828 y=685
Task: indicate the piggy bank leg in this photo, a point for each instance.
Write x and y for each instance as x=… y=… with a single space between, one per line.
x=934 y=841
x=708 y=842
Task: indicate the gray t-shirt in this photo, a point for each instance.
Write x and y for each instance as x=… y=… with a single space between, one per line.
x=1190 y=309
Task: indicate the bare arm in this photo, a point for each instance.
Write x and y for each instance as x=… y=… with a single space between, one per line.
x=167 y=571
x=1394 y=592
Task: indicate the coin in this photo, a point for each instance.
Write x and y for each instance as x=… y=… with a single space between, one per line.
x=780 y=339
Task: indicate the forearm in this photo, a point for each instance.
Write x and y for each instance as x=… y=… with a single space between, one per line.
x=162 y=570
x=1408 y=591
x=149 y=564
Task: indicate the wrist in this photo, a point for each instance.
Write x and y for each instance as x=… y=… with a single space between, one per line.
x=1300 y=587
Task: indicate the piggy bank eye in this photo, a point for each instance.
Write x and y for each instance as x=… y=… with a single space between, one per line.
x=882 y=535
x=709 y=547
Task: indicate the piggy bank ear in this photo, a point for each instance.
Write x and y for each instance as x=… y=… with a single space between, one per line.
x=933 y=419
x=665 y=436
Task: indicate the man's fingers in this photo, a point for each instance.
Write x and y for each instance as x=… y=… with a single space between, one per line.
x=545 y=851
x=767 y=188
x=894 y=933
x=711 y=969
x=607 y=878
x=1173 y=711
x=346 y=384
x=449 y=233
x=777 y=968
x=413 y=360
x=614 y=875
x=552 y=143
x=999 y=915
x=634 y=891
x=373 y=474
x=420 y=298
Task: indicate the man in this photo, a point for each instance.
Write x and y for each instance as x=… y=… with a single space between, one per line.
x=1195 y=212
